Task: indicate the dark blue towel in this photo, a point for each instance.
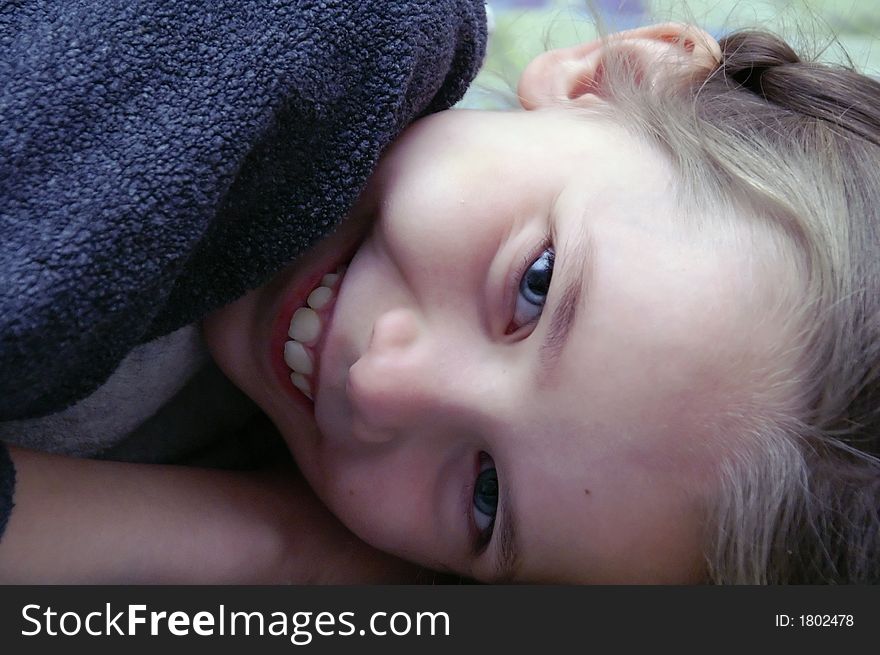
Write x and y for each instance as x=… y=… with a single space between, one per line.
x=158 y=158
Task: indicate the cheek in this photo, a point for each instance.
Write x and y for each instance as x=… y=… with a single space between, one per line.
x=226 y=333
x=446 y=209
x=386 y=503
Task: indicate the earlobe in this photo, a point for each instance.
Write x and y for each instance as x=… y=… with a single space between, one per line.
x=576 y=73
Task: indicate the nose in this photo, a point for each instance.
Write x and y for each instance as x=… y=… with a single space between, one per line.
x=402 y=378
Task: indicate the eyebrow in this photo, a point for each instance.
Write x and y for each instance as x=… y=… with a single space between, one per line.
x=577 y=256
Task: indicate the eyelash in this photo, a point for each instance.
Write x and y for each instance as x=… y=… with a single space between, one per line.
x=516 y=278
x=480 y=539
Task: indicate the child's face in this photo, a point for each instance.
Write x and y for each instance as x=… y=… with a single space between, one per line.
x=592 y=401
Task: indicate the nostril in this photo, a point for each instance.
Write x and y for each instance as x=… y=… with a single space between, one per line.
x=397 y=328
x=374 y=398
x=387 y=383
x=363 y=431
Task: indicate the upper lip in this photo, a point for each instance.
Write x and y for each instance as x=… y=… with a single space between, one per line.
x=293 y=298
x=327 y=315
x=318 y=347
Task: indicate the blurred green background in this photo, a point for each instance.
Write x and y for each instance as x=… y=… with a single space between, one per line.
x=832 y=30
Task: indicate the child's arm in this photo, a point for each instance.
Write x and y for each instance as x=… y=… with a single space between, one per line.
x=87 y=521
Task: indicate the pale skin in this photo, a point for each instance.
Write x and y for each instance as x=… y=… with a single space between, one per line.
x=434 y=365
x=433 y=372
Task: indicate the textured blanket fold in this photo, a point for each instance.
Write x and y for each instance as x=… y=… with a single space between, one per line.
x=159 y=158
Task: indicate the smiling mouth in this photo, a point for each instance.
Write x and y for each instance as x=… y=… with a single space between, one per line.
x=306 y=294
x=307 y=330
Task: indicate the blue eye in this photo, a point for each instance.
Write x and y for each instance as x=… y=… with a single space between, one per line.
x=485 y=499
x=533 y=288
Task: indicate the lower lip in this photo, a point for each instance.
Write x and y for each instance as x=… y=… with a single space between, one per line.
x=295 y=296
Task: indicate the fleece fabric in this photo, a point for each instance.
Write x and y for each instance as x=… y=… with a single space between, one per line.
x=159 y=158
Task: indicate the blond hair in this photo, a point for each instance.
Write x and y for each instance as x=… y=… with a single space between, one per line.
x=796 y=145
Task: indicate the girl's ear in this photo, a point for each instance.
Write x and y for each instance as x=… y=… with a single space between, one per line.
x=575 y=73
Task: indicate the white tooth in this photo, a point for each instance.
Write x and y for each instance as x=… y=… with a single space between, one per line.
x=302 y=383
x=320 y=297
x=305 y=326
x=297 y=357
x=330 y=279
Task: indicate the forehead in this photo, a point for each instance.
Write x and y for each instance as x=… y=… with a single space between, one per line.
x=664 y=295
x=624 y=456
x=664 y=343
